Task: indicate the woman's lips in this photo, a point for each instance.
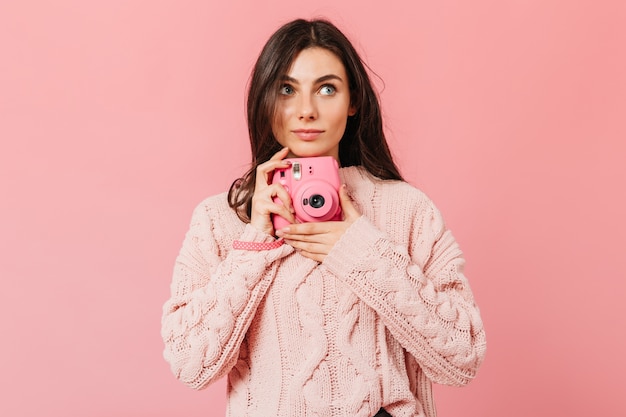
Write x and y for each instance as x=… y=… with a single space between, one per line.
x=307 y=134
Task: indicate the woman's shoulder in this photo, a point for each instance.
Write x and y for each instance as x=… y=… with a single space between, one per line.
x=401 y=196
x=390 y=190
x=215 y=207
x=215 y=202
x=409 y=205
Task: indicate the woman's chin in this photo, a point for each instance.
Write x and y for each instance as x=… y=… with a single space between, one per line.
x=310 y=153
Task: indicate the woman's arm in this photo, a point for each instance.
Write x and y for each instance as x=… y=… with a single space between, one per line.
x=419 y=291
x=214 y=298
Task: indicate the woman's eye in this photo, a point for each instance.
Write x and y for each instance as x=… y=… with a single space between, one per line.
x=286 y=90
x=327 y=89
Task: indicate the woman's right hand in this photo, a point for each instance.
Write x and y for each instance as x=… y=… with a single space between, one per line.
x=263 y=205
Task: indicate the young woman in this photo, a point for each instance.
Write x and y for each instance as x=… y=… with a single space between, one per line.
x=340 y=318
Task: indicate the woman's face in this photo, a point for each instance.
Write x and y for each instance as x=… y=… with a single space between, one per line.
x=313 y=105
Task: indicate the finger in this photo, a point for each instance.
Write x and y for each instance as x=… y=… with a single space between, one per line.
x=282 y=211
x=308 y=247
x=300 y=230
x=264 y=170
x=274 y=200
x=280 y=196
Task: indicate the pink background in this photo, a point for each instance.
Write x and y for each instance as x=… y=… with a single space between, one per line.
x=118 y=117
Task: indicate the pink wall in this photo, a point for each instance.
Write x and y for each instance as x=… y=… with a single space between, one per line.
x=117 y=117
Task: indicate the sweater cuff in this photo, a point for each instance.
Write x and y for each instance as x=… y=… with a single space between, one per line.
x=356 y=250
x=271 y=248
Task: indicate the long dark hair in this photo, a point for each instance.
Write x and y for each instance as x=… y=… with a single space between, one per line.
x=363 y=142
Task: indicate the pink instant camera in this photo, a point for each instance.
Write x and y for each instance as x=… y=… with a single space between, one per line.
x=313 y=184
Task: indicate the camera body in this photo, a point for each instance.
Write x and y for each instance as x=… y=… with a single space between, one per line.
x=313 y=185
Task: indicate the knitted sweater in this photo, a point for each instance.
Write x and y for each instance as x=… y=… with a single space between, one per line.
x=387 y=312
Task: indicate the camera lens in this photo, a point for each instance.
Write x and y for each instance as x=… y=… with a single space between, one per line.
x=316 y=201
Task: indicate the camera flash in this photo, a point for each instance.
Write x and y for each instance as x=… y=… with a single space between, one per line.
x=297 y=173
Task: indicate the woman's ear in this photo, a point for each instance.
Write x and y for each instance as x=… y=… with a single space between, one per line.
x=351 y=111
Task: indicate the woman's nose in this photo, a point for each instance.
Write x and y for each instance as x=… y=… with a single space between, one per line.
x=308 y=109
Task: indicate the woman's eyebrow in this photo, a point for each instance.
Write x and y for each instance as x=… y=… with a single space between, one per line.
x=319 y=80
x=328 y=78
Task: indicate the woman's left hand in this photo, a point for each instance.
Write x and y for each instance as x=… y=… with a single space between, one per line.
x=315 y=240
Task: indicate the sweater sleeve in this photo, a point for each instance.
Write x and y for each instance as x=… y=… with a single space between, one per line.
x=214 y=298
x=419 y=291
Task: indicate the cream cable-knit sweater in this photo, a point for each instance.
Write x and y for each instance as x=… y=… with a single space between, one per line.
x=387 y=312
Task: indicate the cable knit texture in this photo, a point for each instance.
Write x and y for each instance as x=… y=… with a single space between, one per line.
x=387 y=312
